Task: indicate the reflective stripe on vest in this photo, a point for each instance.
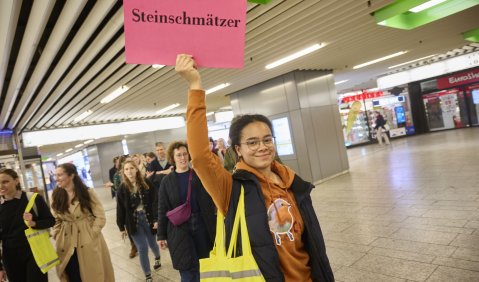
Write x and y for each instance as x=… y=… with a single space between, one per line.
x=40 y=232
x=46 y=265
x=233 y=275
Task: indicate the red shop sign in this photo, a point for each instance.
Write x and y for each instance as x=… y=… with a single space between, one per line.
x=458 y=79
x=363 y=96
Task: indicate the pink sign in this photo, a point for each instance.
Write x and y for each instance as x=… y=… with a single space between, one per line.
x=212 y=31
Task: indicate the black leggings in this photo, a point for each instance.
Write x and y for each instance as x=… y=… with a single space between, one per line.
x=73 y=268
x=21 y=266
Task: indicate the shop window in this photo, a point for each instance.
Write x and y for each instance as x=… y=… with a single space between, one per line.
x=445 y=109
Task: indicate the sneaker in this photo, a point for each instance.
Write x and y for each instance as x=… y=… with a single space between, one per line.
x=149 y=278
x=157 y=264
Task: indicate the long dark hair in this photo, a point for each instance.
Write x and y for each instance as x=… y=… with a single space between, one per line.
x=60 y=202
x=13 y=174
x=140 y=180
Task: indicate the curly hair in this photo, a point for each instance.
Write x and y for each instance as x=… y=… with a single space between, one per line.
x=170 y=152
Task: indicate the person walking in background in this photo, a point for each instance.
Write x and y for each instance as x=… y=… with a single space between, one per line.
x=230 y=159
x=138 y=159
x=111 y=176
x=18 y=261
x=221 y=149
x=193 y=239
x=380 y=128
x=136 y=214
x=286 y=240
x=79 y=219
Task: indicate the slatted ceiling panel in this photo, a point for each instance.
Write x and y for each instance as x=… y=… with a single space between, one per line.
x=84 y=102
x=127 y=73
x=37 y=21
x=67 y=18
x=88 y=79
x=9 y=13
x=81 y=65
x=94 y=18
x=147 y=92
x=92 y=94
x=77 y=98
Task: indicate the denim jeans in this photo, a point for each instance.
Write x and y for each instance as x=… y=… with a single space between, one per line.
x=144 y=238
x=190 y=275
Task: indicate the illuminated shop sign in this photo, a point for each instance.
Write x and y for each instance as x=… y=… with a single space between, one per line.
x=362 y=95
x=458 y=79
x=389 y=101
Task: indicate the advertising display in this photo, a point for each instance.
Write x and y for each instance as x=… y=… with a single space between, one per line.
x=445 y=109
x=283 y=139
x=81 y=161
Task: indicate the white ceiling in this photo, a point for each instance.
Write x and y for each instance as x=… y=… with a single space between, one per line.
x=60 y=58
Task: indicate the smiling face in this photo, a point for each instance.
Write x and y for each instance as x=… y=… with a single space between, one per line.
x=262 y=157
x=181 y=158
x=130 y=171
x=63 y=179
x=8 y=185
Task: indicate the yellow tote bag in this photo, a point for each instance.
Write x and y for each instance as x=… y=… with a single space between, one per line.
x=224 y=267
x=39 y=239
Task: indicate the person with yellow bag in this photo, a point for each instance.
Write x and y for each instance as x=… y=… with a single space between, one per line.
x=284 y=232
x=18 y=258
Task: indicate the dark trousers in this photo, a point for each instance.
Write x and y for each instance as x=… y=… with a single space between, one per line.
x=73 y=269
x=21 y=266
x=201 y=240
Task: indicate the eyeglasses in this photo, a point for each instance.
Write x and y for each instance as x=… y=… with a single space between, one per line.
x=253 y=144
x=185 y=155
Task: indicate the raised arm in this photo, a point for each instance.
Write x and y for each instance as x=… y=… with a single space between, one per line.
x=216 y=180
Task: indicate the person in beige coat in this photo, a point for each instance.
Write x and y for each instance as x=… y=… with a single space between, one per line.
x=79 y=217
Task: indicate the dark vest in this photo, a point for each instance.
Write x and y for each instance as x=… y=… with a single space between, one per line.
x=262 y=244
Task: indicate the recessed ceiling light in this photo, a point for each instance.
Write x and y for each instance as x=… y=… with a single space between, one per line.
x=88 y=141
x=60 y=154
x=380 y=60
x=165 y=109
x=423 y=58
x=157 y=66
x=426 y=5
x=68 y=150
x=115 y=94
x=216 y=88
x=341 y=81
x=83 y=115
x=78 y=146
x=294 y=56
x=210 y=113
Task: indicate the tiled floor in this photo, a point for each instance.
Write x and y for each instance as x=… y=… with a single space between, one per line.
x=404 y=212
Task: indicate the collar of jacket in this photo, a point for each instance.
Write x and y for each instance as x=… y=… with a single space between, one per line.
x=299 y=187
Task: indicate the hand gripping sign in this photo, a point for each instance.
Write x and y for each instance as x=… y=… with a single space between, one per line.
x=212 y=31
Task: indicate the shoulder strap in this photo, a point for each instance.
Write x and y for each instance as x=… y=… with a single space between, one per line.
x=31 y=202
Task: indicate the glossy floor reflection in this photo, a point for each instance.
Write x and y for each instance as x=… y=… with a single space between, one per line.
x=405 y=212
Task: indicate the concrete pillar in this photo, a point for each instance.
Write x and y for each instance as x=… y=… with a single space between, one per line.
x=308 y=100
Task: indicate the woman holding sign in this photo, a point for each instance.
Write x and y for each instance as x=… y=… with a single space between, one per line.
x=286 y=239
x=17 y=257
